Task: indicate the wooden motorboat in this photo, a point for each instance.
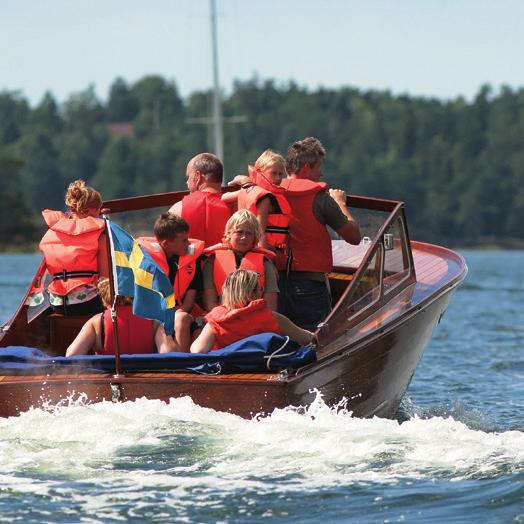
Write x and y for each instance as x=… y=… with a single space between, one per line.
x=388 y=295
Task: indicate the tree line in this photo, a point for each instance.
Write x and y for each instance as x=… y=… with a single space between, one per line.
x=458 y=164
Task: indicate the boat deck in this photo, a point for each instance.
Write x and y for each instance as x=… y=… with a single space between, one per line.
x=436 y=267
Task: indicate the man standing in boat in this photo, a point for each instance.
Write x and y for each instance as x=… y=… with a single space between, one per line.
x=203 y=208
x=305 y=296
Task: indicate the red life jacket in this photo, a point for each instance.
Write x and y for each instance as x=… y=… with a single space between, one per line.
x=225 y=263
x=232 y=325
x=186 y=263
x=277 y=227
x=70 y=249
x=206 y=215
x=310 y=241
x=135 y=334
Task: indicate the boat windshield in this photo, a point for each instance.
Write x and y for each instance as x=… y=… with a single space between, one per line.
x=367 y=276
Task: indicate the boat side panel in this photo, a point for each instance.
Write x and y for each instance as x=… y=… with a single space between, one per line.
x=373 y=377
x=243 y=395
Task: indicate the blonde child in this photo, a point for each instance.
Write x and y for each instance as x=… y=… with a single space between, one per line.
x=238 y=250
x=264 y=197
x=244 y=313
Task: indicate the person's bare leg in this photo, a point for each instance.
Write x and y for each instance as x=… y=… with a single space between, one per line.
x=182 y=326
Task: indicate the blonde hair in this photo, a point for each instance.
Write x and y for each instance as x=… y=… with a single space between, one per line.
x=79 y=197
x=104 y=290
x=269 y=159
x=239 y=288
x=243 y=217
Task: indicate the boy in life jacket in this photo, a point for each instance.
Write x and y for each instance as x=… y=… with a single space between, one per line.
x=265 y=198
x=179 y=257
x=244 y=313
x=75 y=253
x=135 y=334
x=238 y=250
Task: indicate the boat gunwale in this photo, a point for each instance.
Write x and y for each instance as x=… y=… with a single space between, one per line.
x=145 y=377
x=366 y=340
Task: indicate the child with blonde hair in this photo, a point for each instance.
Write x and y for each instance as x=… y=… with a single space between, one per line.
x=238 y=250
x=244 y=313
x=264 y=197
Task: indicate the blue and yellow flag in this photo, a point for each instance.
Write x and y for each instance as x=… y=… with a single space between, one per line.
x=137 y=275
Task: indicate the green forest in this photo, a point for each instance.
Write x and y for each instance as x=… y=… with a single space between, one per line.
x=457 y=164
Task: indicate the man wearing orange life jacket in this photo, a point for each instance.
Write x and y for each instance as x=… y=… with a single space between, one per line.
x=179 y=258
x=238 y=251
x=265 y=199
x=203 y=208
x=244 y=313
x=75 y=252
x=304 y=292
x=135 y=334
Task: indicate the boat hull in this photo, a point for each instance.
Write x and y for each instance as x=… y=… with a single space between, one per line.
x=371 y=378
x=368 y=379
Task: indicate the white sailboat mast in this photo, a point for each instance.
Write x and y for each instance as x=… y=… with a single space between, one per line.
x=217 y=101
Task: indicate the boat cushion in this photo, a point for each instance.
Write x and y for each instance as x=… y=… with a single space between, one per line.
x=265 y=352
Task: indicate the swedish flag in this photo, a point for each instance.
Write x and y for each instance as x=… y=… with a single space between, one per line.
x=137 y=275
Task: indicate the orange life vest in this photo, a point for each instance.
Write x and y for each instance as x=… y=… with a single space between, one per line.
x=206 y=215
x=186 y=263
x=232 y=325
x=225 y=263
x=277 y=227
x=70 y=249
x=310 y=241
x=135 y=334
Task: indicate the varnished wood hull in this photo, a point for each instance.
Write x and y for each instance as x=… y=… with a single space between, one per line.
x=368 y=379
x=371 y=378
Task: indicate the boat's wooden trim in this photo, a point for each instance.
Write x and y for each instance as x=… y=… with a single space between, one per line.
x=120 y=205
x=176 y=376
x=168 y=199
x=378 y=204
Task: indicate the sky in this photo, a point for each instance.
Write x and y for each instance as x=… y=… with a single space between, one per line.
x=431 y=48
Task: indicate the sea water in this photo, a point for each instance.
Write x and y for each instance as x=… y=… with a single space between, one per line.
x=454 y=453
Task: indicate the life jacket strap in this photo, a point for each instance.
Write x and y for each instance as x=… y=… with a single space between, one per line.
x=277 y=229
x=65 y=275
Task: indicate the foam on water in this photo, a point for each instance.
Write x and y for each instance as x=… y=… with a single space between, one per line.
x=146 y=441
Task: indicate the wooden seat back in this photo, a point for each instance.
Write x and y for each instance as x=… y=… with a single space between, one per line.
x=63 y=330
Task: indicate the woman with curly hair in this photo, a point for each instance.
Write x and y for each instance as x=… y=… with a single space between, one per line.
x=75 y=252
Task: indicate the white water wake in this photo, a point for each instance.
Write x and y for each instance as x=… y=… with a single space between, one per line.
x=153 y=442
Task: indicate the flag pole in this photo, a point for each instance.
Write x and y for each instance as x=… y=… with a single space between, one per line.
x=118 y=366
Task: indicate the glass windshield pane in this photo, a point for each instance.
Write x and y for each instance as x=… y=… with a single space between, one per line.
x=367 y=290
x=396 y=262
